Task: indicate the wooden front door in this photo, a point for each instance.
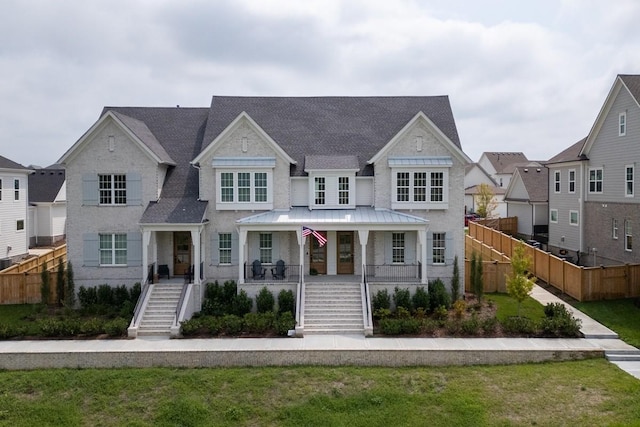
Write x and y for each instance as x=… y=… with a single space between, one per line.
x=318 y=256
x=181 y=252
x=345 y=252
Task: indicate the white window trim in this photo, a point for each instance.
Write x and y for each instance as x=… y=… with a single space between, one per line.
x=614 y=229
x=556 y=182
x=627 y=234
x=443 y=248
x=221 y=249
x=403 y=248
x=575 y=224
x=551 y=212
x=626 y=181
x=427 y=204
x=266 y=248
x=112 y=190
x=622 y=123
x=571 y=181
x=113 y=250
x=596 y=181
x=24 y=226
x=16 y=190
x=332 y=189
x=252 y=204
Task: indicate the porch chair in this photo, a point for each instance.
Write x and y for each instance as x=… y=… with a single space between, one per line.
x=257 y=271
x=163 y=270
x=278 y=271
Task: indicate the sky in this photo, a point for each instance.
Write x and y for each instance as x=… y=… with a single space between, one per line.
x=527 y=76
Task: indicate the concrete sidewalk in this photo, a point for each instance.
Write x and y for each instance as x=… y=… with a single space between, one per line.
x=330 y=350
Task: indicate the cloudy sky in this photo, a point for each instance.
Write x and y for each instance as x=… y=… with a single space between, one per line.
x=521 y=76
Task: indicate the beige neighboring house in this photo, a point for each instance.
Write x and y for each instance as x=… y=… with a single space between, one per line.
x=14 y=197
x=474 y=176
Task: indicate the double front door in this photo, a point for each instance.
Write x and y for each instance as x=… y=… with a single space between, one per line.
x=344 y=254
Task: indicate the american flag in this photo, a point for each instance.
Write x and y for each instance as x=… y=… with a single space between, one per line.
x=321 y=239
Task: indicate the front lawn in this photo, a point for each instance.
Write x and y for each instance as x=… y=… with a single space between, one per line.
x=508 y=307
x=622 y=316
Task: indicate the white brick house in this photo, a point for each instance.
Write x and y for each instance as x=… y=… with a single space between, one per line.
x=213 y=190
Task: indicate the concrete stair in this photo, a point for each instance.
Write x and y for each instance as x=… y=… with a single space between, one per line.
x=160 y=312
x=623 y=355
x=333 y=308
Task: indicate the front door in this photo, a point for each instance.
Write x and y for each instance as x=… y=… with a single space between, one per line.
x=345 y=252
x=318 y=261
x=181 y=252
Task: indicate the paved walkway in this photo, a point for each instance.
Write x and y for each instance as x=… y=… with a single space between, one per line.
x=336 y=350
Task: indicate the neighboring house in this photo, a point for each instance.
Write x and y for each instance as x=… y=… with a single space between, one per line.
x=501 y=165
x=566 y=184
x=605 y=207
x=527 y=198
x=218 y=189
x=48 y=206
x=474 y=176
x=14 y=194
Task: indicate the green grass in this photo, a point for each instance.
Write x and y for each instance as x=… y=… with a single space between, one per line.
x=591 y=392
x=621 y=315
x=508 y=307
x=20 y=315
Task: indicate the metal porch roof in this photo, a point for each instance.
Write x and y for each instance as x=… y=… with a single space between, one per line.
x=304 y=216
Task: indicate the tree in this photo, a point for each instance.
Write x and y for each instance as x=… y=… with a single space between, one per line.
x=486 y=201
x=477 y=282
x=60 y=285
x=455 y=281
x=519 y=282
x=46 y=284
x=70 y=292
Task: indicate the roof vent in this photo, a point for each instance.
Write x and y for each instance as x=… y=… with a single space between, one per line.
x=526 y=170
x=538 y=170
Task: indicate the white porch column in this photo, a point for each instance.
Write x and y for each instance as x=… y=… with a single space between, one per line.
x=422 y=238
x=195 y=241
x=146 y=237
x=301 y=241
x=363 y=235
x=242 y=241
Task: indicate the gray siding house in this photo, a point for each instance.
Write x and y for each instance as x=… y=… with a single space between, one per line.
x=225 y=192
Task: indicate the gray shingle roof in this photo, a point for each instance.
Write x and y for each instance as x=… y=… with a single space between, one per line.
x=536 y=182
x=45 y=184
x=308 y=126
x=632 y=82
x=331 y=162
x=502 y=161
x=10 y=164
x=141 y=130
x=570 y=154
x=183 y=210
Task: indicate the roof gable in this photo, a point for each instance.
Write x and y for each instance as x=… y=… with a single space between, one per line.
x=11 y=165
x=571 y=154
x=45 y=185
x=502 y=162
x=534 y=181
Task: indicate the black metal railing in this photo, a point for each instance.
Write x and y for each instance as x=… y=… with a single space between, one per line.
x=138 y=308
x=181 y=302
x=393 y=273
x=271 y=273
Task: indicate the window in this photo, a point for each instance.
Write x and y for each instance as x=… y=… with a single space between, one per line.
x=260 y=187
x=556 y=182
x=614 y=228
x=437 y=186
x=573 y=217
x=595 y=180
x=343 y=190
x=20 y=225
x=402 y=185
x=243 y=187
x=572 y=181
x=553 y=215
x=628 y=238
x=397 y=248
x=16 y=189
x=622 y=124
x=226 y=187
x=419 y=186
x=628 y=179
x=438 y=248
x=266 y=243
x=0 y=189
x=113 y=249
x=320 y=190
x=224 y=248
x=113 y=189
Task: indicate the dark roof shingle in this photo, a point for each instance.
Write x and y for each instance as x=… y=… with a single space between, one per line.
x=45 y=184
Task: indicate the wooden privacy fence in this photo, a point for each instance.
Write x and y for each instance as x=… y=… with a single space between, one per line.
x=507 y=225
x=34 y=264
x=24 y=288
x=581 y=283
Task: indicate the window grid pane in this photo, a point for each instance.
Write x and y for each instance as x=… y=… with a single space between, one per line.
x=320 y=190
x=16 y=187
x=437 y=186
x=402 y=185
x=438 y=248
x=343 y=190
x=120 y=189
x=556 y=176
x=573 y=217
x=226 y=187
x=595 y=181
x=224 y=246
x=572 y=181
x=105 y=189
x=265 y=248
x=244 y=187
x=614 y=228
x=629 y=180
x=260 y=181
x=397 y=248
x=420 y=187
x=628 y=238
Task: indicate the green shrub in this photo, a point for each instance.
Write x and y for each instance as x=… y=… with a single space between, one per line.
x=402 y=298
x=402 y=313
x=438 y=295
x=382 y=313
x=470 y=326
x=213 y=325
x=519 y=325
x=259 y=323
x=134 y=293
x=459 y=307
x=381 y=299
x=192 y=326
x=420 y=299
x=453 y=326
x=391 y=326
x=120 y=295
x=11 y=331
x=264 y=300
x=242 y=304
x=286 y=301
x=428 y=326
x=489 y=325
x=92 y=326
x=45 y=287
x=126 y=309
x=556 y=309
x=87 y=297
x=441 y=313
x=229 y=292
x=212 y=307
x=410 y=326
x=54 y=327
x=559 y=322
x=105 y=295
x=285 y=322
x=232 y=324
x=116 y=327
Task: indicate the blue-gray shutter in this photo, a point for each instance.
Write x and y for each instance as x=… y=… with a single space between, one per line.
x=134 y=189
x=90 y=191
x=235 y=248
x=448 y=249
x=388 y=247
x=90 y=250
x=410 y=248
x=215 y=250
x=429 y=248
x=134 y=249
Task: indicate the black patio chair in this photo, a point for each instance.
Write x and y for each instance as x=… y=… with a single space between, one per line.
x=163 y=270
x=278 y=272
x=257 y=270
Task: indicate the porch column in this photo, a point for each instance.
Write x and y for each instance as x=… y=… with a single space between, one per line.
x=242 y=241
x=301 y=241
x=146 y=237
x=422 y=238
x=363 y=235
x=195 y=241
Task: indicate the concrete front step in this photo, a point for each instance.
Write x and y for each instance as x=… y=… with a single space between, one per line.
x=334 y=308
x=622 y=355
x=329 y=331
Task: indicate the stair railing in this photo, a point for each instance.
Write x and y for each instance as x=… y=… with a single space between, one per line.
x=140 y=303
x=180 y=303
x=366 y=300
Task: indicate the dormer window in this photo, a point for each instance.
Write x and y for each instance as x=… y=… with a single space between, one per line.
x=331 y=181
x=622 y=124
x=244 y=183
x=420 y=182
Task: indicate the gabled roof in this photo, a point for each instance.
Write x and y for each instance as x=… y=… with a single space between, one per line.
x=571 y=154
x=45 y=185
x=10 y=164
x=141 y=130
x=331 y=163
x=475 y=189
x=632 y=82
x=308 y=126
x=503 y=162
x=535 y=181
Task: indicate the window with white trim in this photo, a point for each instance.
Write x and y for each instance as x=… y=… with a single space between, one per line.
x=595 y=180
x=419 y=187
x=20 y=225
x=266 y=248
x=402 y=186
x=437 y=186
x=571 y=180
x=16 y=189
x=112 y=189
x=224 y=248
x=320 y=190
x=438 y=248
x=556 y=182
x=0 y=189
x=628 y=181
x=573 y=217
x=628 y=237
x=397 y=248
x=260 y=187
x=614 y=228
x=553 y=215
x=343 y=190
x=243 y=188
x=622 y=124
x=113 y=249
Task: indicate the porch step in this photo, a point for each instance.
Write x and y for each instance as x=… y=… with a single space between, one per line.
x=622 y=355
x=159 y=314
x=333 y=308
